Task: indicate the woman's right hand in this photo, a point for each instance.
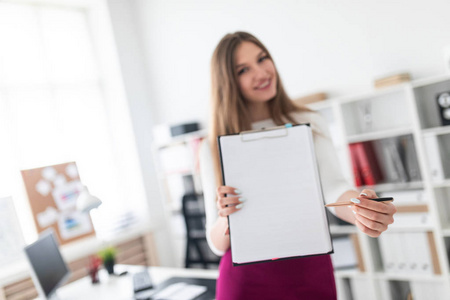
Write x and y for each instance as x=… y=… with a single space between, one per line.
x=229 y=200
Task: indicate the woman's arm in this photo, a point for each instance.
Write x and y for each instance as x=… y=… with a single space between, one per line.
x=215 y=202
x=229 y=200
x=218 y=236
x=369 y=216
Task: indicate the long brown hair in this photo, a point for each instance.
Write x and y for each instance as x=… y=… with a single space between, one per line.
x=229 y=111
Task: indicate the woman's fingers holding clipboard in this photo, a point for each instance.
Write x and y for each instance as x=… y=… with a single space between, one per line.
x=229 y=200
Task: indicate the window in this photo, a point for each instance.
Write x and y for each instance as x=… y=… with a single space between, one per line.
x=54 y=109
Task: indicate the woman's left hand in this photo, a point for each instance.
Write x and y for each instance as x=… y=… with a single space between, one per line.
x=372 y=217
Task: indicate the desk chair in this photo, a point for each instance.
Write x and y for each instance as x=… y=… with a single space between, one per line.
x=197 y=250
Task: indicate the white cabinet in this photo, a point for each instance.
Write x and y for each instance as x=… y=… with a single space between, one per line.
x=178 y=173
x=403 y=119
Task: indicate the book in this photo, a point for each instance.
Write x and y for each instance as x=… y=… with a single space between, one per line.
x=386 y=163
x=355 y=166
x=392 y=80
x=367 y=162
x=387 y=255
x=373 y=161
x=391 y=150
x=409 y=158
x=433 y=154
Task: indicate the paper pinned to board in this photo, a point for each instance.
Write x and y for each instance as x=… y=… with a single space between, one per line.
x=43 y=187
x=73 y=223
x=60 y=179
x=49 y=173
x=47 y=217
x=65 y=196
x=72 y=171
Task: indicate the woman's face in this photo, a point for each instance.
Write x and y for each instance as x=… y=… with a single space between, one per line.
x=256 y=73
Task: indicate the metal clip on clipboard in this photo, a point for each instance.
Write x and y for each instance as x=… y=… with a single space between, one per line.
x=285 y=132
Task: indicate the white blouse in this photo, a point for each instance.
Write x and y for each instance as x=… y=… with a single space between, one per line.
x=333 y=182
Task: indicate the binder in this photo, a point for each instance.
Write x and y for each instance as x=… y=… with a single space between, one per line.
x=370 y=171
x=355 y=165
x=365 y=164
x=434 y=158
x=284 y=214
x=410 y=158
x=387 y=256
x=421 y=252
x=389 y=152
x=387 y=164
x=345 y=256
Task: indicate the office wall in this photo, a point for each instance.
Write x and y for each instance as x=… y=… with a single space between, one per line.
x=335 y=46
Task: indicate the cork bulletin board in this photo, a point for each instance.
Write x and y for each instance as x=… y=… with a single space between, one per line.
x=52 y=192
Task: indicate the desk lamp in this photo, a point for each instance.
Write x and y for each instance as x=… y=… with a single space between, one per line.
x=86 y=201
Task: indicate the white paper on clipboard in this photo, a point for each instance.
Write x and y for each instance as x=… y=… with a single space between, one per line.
x=284 y=214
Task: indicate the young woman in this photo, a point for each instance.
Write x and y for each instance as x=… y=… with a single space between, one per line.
x=247 y=93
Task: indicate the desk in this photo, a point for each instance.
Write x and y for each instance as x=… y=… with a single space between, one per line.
x=121 y=287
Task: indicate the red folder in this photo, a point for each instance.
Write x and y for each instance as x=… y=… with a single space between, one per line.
x=355 y=166
x=367 y=162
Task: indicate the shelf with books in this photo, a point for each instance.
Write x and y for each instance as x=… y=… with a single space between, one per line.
x=377 y=135
x=409 y=253
x=388 y=160
x=407 y=117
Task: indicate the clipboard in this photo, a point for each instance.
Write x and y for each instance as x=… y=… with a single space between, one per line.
x=284 y=215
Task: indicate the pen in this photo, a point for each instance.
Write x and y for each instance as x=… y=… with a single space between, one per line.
x=346 y=203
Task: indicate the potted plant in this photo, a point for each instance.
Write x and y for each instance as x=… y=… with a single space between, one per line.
x=108 y=256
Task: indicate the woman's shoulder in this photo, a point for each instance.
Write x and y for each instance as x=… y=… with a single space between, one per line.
x=316 y=120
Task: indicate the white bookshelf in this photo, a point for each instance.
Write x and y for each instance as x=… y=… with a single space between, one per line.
x=405 y=109
x=363 y=137
x=175 y=158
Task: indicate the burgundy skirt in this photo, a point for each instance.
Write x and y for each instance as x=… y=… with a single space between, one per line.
x=299 y=278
